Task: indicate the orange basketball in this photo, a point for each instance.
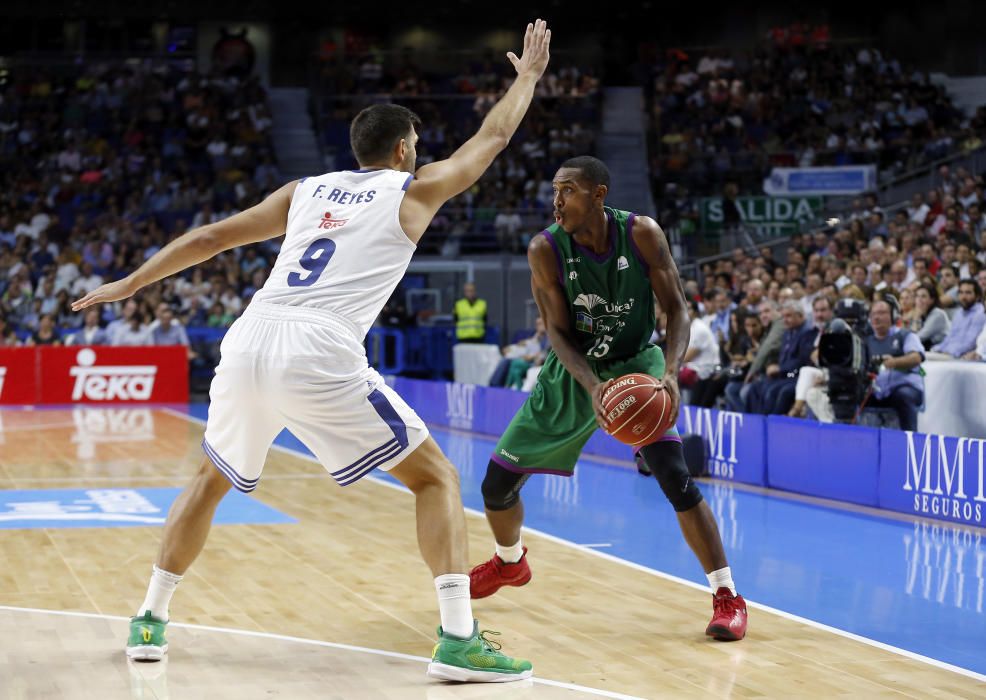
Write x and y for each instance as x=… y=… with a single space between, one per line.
x=638 y=409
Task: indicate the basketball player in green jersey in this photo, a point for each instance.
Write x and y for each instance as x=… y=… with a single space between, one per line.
x=595 y=275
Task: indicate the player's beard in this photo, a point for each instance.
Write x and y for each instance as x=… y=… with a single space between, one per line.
x=410 y=161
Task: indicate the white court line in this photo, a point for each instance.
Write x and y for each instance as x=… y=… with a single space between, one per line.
x=183 y=478
x=311 y=642
x=44 y=426
x=597 y=544
x=668 y=577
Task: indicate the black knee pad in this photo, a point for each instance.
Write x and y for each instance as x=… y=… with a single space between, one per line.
x=666 y=460
x=501 y=487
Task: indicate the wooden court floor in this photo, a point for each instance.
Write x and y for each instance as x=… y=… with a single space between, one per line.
x=339 y=605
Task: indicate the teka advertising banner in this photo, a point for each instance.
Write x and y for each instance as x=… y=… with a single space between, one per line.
x=114 y=375
x=18 y=375
x=734 y=442
x=847 y=179
x=933 y=476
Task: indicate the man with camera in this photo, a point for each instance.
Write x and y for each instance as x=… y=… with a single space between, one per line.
x=897 y=354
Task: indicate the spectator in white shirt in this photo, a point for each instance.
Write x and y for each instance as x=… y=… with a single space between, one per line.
x=507 y=225
x=67 y=271
x=133 y=333
x=231 y=300
x=90 y=333
x=86 y=282
x=702 y=355
x=167 y=331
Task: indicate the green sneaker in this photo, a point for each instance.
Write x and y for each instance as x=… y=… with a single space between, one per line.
x=147 y=642
x=475 y=660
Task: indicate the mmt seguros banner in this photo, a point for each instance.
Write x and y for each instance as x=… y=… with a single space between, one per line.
x=933 y=476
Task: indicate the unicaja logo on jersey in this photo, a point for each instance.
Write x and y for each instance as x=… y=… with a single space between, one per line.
x=589 y=301
x=328 y=222
x=590 y=321
x=109 y=382
x=584 y=319
x=621 y=263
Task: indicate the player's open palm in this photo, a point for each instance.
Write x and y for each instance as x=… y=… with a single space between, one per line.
x=112 y=291
x=534 y=59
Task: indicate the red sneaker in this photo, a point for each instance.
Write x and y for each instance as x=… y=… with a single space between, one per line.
x=728 y=617
x=488 y=577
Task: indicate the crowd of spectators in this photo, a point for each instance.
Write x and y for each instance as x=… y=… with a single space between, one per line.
x=512 y=201
x=721 y=116
x=761 y=318
x=100 y=167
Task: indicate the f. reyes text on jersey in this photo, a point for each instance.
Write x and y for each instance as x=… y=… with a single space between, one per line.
x=340 y=196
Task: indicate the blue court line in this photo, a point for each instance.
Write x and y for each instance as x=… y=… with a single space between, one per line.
x=912 y=585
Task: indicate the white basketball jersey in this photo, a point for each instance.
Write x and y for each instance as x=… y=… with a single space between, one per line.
x=344 y=250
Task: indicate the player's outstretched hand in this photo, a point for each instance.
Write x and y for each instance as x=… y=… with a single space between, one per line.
x=534 y=59
x=597 y=402
x=113 y=291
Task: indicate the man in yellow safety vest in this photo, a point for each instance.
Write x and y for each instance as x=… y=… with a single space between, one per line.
x=470 y=316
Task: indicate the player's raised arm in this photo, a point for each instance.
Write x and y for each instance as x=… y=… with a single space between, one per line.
x=549 y=297
x=436 y=183
x=258 y=223
x=666 y=283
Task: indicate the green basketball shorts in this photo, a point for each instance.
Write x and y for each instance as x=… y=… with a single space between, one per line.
x=547 y=434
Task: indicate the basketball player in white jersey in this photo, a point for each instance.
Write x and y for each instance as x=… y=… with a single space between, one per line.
x=295 y=358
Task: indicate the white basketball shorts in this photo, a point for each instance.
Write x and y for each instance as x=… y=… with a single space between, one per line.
x=305 y=370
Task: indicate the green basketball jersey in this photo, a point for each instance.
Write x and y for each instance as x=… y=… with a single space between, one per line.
x=611 y=303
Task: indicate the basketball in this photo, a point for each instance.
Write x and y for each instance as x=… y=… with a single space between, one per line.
x=638 y=409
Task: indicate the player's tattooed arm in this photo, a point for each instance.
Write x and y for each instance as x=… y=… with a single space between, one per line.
x=653 y=246
x=553 y=306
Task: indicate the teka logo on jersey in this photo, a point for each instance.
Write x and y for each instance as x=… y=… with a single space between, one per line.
x=3 y=373
x=459 y=406
x=328 y=222
x=110 y=383
x=938 y=479
x=720 y=432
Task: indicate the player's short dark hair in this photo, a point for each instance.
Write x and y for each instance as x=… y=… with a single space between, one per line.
x=377 y=129
x=593 y=169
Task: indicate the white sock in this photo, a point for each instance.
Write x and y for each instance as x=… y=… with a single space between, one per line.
x=720 y=578
x=511 y=554
x=455 y=605
x=163 y=584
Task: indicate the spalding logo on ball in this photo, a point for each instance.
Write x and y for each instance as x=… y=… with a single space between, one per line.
x=638 y=409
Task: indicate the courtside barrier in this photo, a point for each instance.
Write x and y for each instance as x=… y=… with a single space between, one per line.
x=827 y=460
x=65 y=375
x=735 y=442
x=925 y=475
